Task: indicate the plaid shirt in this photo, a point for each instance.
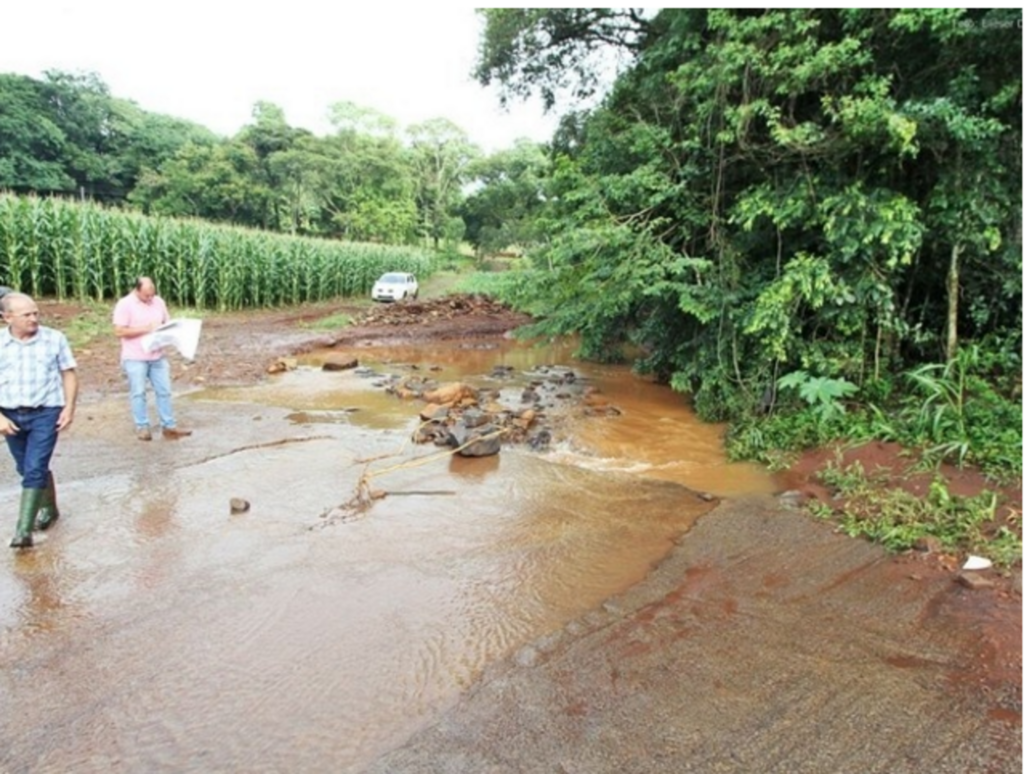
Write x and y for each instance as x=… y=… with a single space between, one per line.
x=30 y=371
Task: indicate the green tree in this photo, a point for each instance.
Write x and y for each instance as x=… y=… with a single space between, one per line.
x=32 y=146
x=553 y=50
x=352 y=119
x=370 y=181
x=441 y=153
x=297 y=174
x=504 y=209
x=143 y=141
x=81 y=106
x=214 y=182
x=67 y=134
x=267 y=135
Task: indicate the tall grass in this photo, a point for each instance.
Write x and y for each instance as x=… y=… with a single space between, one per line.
x=62 y=249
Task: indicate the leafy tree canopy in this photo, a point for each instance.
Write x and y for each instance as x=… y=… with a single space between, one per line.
x=767 y=191
x=528 y=50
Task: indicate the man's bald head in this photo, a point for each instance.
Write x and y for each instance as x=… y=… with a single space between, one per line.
x=14 y=300
x=145 y=289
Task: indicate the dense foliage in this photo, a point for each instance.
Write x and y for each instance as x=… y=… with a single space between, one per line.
x=67 y=134
x=834 y=194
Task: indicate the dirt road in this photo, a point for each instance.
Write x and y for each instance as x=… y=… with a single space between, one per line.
x=237 y=348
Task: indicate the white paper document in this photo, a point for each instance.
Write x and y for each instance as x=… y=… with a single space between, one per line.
x=181 y=334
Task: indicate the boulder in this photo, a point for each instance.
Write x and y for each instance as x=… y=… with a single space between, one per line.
x=433 y=411
x=452 y=394
x=339 y=362
x=482 y=441
x=284 y=364
x=475 y=418
x=432 y=431
x=974 y=581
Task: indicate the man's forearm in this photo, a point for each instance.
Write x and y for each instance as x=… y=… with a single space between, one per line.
x=124 y=332
x=70 y=381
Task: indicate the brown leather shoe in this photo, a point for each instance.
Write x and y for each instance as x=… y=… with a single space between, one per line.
x=143 y=434
x=176 y=432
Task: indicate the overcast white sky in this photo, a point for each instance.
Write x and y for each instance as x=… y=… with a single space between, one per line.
x=211 y=61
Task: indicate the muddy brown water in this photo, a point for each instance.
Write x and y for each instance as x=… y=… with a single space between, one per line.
x=154 y=630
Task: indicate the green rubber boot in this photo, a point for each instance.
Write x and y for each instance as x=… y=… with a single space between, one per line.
x=27 y=517
x=48 y=512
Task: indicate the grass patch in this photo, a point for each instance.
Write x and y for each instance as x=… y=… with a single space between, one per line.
x=441 y=283
x=331 y=323
x=881 y=511
x=92 y=323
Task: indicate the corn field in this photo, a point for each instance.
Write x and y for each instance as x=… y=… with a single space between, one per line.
x=69 y=250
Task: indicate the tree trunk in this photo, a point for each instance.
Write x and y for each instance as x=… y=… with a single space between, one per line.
x=953 y=303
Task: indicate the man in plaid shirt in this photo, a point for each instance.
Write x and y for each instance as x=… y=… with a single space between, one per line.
x=38 y=390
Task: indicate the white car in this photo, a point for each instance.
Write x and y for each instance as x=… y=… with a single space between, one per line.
x=395 y=286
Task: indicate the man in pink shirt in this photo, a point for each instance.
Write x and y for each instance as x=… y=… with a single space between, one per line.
x=140 y=312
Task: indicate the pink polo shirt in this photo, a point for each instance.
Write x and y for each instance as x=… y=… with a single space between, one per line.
x=133 y=312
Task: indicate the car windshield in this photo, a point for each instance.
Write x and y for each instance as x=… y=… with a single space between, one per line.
x=392 y=279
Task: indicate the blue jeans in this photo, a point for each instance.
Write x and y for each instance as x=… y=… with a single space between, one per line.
x=32 y=446
x=158 y=372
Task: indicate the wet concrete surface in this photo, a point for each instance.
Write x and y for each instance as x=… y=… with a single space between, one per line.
x=524 y=613
x=764 y=643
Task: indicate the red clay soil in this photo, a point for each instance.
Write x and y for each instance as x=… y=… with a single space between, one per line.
x=880 y=458
x=897 y=467
x=239 y=347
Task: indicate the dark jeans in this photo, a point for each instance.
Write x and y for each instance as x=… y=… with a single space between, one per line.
x=32 y=446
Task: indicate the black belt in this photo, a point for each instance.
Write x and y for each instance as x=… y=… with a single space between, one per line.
x=25 y=408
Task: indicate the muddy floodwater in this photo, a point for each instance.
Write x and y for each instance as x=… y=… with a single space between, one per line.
x=154 y=630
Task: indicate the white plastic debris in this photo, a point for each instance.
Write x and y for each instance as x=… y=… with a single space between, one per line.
x=977 y=563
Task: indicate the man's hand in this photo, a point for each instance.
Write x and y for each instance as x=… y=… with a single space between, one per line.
x=7 y=427
x=67 y=416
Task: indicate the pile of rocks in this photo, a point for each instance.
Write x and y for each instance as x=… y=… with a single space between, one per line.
x=476 y=421
x=412 y=312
